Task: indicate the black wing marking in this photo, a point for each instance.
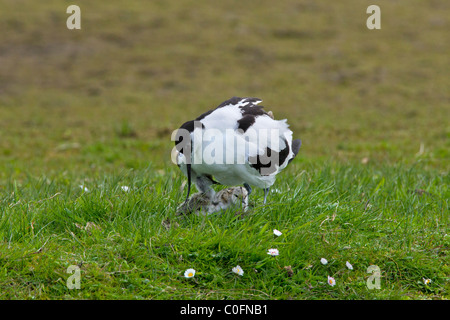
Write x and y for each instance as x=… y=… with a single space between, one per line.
x=268 y=163
x=245 y=122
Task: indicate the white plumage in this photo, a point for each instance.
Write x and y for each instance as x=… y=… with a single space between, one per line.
x=237 y=143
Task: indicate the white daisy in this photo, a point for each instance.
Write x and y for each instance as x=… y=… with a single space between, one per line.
x=331 y=281
x=426 y=281
x=238 y=270
x=277 y=232
x=348 y=264
x=189 y=273
x=273 y=252
x=125 y=188
x=324 y=261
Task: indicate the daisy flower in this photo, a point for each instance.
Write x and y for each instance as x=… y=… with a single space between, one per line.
x=277 y=232
x=349 y=265
x=273 y=252
x=331 y=281
x=125 y=188
x=324 y=261
x=189 y=273
x=426 y=281
x=238 y=270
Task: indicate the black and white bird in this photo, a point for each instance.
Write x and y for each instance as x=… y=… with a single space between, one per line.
x=237 y=143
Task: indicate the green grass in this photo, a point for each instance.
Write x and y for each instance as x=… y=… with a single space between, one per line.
x=96 y=107
x=364 y=215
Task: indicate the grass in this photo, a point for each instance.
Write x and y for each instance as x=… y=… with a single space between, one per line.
x=130 y=253
x=96 y=108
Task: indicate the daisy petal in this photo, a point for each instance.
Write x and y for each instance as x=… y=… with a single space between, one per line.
x=238 y=270
x=349 y=265
x=189 y=273
x=331 y=281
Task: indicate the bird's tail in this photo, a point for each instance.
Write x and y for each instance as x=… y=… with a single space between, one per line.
x=296 y=144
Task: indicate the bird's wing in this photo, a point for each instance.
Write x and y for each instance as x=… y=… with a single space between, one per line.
x=274 y=139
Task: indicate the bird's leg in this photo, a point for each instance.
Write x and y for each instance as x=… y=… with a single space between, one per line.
x=247 y=186
x=266 y=192
x=245 y=198
x=188 y=169
x=203 y=185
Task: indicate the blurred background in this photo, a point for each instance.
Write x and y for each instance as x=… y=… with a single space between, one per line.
x=107 y=97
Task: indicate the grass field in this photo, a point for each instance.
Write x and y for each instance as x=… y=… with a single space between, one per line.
x=84 y=113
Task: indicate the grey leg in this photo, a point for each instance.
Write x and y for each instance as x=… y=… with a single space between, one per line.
x=203 y=185
x=266 y=192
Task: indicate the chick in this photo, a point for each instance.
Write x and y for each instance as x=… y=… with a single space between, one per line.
x=197 y=202
x=200 y=203
x=230 y=197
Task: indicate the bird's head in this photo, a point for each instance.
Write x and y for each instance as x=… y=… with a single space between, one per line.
x=182 y=147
